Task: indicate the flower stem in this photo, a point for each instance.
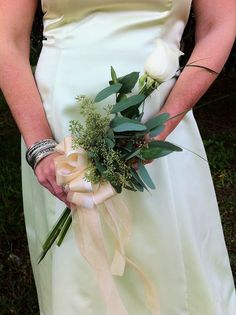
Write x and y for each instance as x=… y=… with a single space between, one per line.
x=54 y=233
x=64 y=230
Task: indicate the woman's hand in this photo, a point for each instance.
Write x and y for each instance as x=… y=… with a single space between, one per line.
x=46 y=175
x=161 y=137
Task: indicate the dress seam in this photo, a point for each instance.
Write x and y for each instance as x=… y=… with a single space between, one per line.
x=179 y=238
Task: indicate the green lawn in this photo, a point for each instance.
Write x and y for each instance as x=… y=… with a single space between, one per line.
x=17 y=292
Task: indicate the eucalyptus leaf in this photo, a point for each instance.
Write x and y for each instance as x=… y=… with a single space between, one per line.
x=128 y=82
x=116 y=121
x=156 y=131
x=165 y=144
x=124 y=153
x=129 y=127
x=157 y=149
x=137 y=179
x=121 y=97
x=143 y=173
x=130 y=187
x=132 y=154
x=157 y=121
x=117 y=188
x=129 y=102
x=113 y=76
x=154 y=153
x=131 y=112
x=110 y=133
x=108 y=91
x=136 y=184
x=121 y=124
x=110 y=142
x=129 y=146
x=139 y=116
x=121 y=136
x=101 y=168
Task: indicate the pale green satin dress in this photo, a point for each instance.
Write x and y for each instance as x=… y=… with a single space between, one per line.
x=177 y=235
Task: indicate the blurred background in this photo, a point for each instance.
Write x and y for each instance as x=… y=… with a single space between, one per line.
x=217 y=124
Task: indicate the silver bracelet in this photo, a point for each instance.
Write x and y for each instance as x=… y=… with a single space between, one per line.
x=41 y=155
x=39 y=150
x=39 y=144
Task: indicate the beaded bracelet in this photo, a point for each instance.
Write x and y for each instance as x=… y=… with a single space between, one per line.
x=39 y=150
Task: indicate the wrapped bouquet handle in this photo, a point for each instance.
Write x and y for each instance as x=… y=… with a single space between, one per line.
x=88 y=202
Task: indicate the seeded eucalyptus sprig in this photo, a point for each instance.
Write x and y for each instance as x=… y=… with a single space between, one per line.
x=116 y=140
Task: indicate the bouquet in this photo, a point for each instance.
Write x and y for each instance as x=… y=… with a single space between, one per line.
x=117 y=144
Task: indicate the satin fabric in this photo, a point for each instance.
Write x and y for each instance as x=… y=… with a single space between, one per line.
x=177 y=236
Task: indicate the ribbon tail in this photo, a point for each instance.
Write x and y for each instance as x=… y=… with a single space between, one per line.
x=117 y=217
x=89 y=238
x=152 y=300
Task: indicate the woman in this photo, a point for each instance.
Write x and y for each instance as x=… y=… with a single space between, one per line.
x=177 y=235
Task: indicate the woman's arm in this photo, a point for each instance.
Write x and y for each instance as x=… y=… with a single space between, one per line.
x=214 y=37
x=18 y=85
x=16 y=79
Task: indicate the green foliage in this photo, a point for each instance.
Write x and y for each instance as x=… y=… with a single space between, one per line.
x=97 y=138
x=157 y=121
x=93 y=133
x=143 y=173
x=127 y=103
x=220 y=155
x=122 y=124
x=157 y=149
x=114 y=144
x=128 y=82
x=112 y=89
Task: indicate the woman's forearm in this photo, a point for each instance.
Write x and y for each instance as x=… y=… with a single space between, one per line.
x=20 y=90
x=194 y=82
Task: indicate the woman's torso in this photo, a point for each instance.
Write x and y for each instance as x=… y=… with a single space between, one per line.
x=83 y=38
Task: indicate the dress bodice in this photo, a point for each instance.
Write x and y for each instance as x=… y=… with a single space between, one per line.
x=102 y=18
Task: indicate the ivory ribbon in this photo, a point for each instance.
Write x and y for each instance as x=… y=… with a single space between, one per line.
x=89 y=200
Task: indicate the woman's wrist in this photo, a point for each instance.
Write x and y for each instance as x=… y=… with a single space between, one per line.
x=42 y=132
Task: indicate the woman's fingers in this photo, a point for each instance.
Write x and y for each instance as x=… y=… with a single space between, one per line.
x=59 y=193
x=147 y=162
x=45 y=172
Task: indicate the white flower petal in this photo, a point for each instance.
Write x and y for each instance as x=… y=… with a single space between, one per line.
x=163 y=62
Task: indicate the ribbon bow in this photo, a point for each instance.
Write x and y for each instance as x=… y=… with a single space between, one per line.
x=89 y=201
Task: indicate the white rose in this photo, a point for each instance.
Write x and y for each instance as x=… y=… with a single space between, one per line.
x=163 y=62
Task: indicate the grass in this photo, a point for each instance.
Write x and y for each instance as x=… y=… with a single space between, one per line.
x=217 y=124
x=17 y=292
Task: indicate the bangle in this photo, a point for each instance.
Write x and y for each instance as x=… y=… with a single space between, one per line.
x=41 y=155
x=39 y=150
